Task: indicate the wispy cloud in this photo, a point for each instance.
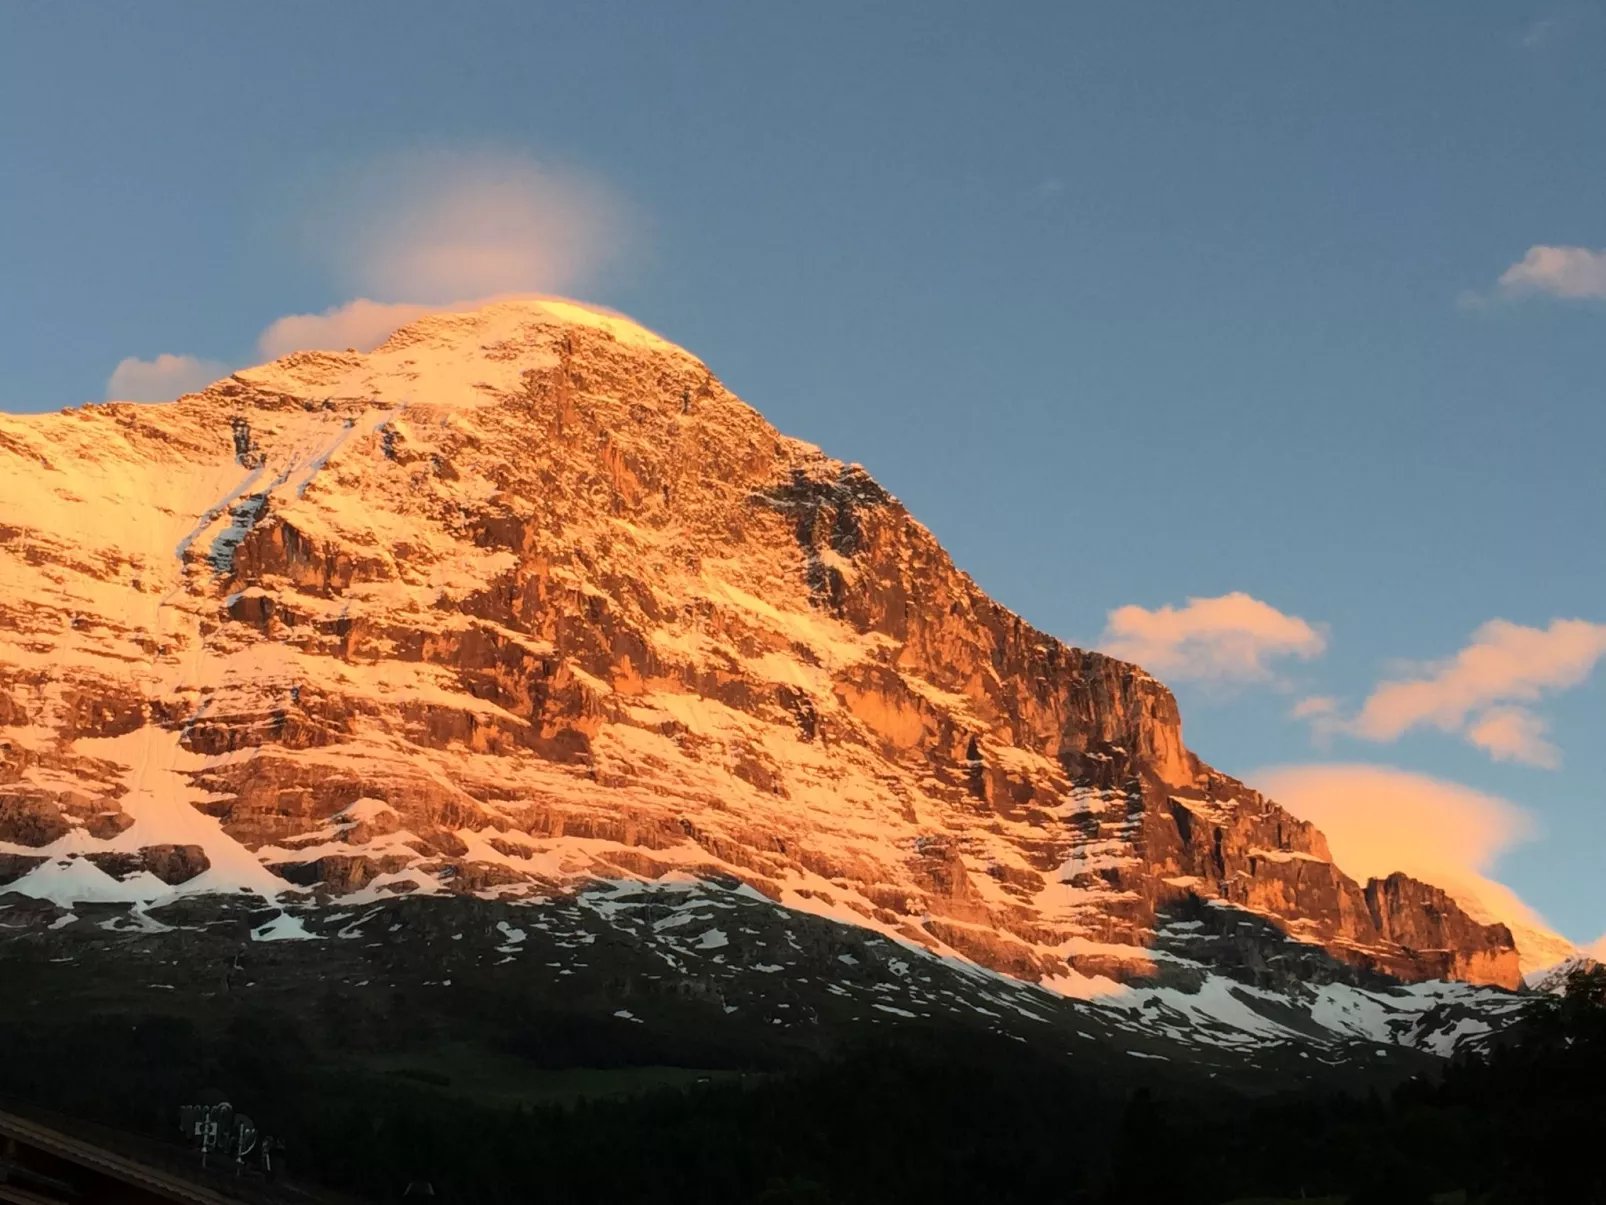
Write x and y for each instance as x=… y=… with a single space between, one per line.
x=1553 y=30
x=1479 y=693
x=161 y=380
x=1226 y=639
x=1314 y=705
x=1379 y=820
x=1543 y=32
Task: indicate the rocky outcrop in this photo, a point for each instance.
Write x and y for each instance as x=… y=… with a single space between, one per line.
x=1425 y=920
x=14 y=866
x=171 y=864
x=32 y=820
x=526 y=597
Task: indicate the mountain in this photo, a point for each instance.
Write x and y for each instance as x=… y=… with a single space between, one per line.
x=1540 y=949
x=525 y=602
x=1553 y=980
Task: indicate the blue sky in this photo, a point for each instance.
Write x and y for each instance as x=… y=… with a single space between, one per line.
x=1131 y=304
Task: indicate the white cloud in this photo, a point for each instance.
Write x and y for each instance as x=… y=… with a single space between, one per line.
x=362 y=325
x=1569 y=272
x=162 y=379
x=1229 y=638
x=1478 y=693
x=1379 y=820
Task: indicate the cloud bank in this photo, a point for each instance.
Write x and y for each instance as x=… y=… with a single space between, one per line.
x=1379 y=820
x=162 y=379
x=1226 y=639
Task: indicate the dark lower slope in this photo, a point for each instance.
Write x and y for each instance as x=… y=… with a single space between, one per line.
x=688 y=1044
x=917 y=1116
x=693 y=975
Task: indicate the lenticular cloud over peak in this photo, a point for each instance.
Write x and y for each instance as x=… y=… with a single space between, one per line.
x=442 y=227
x=1379 y=820
x=408 y=234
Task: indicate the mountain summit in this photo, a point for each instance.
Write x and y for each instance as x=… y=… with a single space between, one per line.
x=525 y=600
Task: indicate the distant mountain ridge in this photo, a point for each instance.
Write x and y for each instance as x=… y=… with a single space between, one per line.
x=525 y=600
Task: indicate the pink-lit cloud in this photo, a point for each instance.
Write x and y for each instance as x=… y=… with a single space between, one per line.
x=1514 y=734
x=363 y=325
x=1478 y=693
x=161 y=380
x=1379 y=820
x=1313 y=706
x=1569 y=272
x=1229 y=638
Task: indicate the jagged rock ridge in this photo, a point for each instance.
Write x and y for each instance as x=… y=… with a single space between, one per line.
x=527 y=598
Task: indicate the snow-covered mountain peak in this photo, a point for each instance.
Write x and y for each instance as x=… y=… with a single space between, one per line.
x=526 y=599
x=460 y=354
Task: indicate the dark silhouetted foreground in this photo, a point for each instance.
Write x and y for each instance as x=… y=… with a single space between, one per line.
x=929 y=1118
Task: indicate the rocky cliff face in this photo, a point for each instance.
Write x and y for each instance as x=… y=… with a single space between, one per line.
x=526 y=598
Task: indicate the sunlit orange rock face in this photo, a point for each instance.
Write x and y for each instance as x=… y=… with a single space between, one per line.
x=526 y=597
